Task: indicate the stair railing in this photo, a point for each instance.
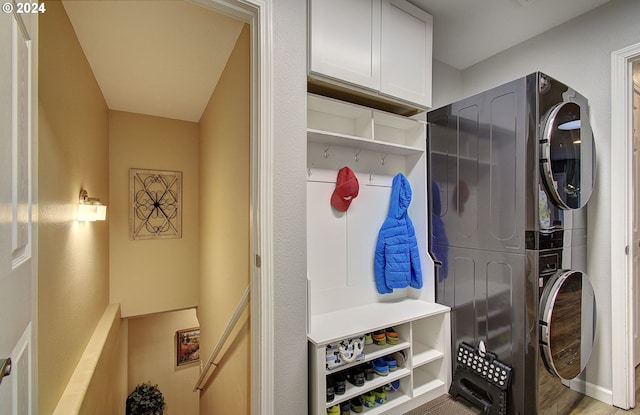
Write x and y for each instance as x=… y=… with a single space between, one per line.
x=225 y=335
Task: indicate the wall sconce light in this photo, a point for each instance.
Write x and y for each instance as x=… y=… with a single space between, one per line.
x=90 y=209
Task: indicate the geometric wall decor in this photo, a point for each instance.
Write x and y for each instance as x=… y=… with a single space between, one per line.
x=155 y=202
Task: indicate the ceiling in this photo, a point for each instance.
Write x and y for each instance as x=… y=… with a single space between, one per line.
x=466 y=32
x=141 y=66
x=161 y=58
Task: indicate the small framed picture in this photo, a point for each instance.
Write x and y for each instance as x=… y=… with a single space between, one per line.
x=188 y=346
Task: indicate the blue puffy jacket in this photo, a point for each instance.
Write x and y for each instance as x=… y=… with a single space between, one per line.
x=397 y=259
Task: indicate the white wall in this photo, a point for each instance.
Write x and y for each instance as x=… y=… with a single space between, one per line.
x=577 y=53
x=289 y=19
x=447 y=84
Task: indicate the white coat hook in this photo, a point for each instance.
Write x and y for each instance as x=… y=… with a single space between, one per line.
x=357 y=156
x=309 y=173
x=371 y=176
x=326 y=152
x=382 y=160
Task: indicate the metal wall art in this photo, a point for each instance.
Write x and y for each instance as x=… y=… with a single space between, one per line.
x=155 y=204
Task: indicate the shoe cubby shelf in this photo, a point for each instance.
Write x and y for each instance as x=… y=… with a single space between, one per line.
x=371 y=352
x=378 y=381
x=424 y=337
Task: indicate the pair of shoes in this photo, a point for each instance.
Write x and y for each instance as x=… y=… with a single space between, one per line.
x=368 y=399
x=368 y=371
x=400 y=358
x=345 y=408
x=379 y=337
x=392 y=336
x=356 y=405
x=355 y=376
x=330 y=389
x=380 y=366
x=371 y=399
x=380 y=396
x=368 y=339
x=391 y=362
x=393 y=386
x=333 y=410
x=339 y=383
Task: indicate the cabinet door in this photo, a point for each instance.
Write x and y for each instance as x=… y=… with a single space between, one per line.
x=344 y=40
x=406 y=38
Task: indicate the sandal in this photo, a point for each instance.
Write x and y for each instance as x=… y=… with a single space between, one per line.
x=380 y=367
x=379 y=337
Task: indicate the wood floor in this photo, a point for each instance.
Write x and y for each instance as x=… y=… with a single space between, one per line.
x=589 y=406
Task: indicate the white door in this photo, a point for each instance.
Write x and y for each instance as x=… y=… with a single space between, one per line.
x=17 y=196
x=635 y=248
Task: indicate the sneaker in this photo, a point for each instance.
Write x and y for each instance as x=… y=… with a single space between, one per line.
x=379 y=337
x=393 y=386
x=368 y=339
x=400 y=358
x=391 y=362
x=380 y=367
x=345 y=408
x=368 y=371
x=355 y=376
x=368 y=399
x=380 y=396
x=392 y=336
x=330 y=389
x=339 y=383
x=356 y=405
x=334 y=410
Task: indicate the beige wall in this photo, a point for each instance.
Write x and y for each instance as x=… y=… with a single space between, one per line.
x=152 y=358
x=151 y=276
x=73 y=268
x=224 y=190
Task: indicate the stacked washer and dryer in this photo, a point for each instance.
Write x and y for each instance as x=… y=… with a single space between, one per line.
x=511 y=171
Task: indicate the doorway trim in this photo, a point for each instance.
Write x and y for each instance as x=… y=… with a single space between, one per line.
x=622 y=284
x=258 y=14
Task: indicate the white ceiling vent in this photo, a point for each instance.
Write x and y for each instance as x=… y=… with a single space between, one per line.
x=526 y=3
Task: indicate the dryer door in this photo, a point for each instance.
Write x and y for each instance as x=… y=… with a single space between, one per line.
x=567 y=323
x=567 y=157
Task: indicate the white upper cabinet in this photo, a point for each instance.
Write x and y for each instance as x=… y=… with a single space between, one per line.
x=345 y=40
x=406 y=50
x=380 y=47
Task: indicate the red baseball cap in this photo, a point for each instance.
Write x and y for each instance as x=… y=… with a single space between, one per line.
x=347 y=188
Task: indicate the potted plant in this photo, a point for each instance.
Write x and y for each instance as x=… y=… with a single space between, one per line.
x=146 y=399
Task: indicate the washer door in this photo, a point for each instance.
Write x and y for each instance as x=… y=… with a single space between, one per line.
x=567 y=160
x=567 y=323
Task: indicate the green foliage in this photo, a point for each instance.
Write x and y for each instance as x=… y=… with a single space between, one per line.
x=146 y=399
